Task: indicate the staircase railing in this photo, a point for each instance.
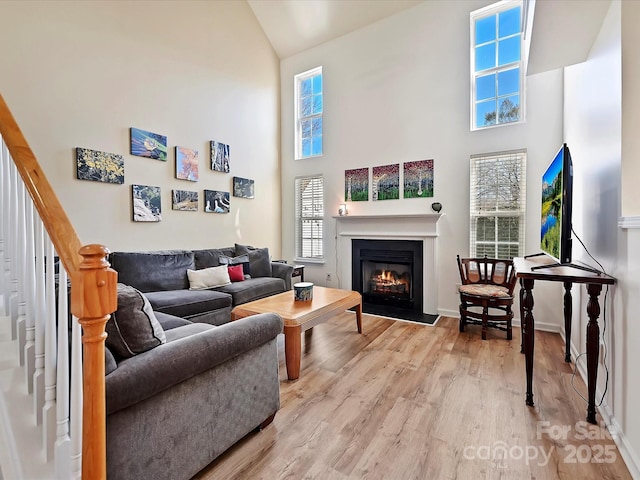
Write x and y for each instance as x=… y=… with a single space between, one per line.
x=34 y=232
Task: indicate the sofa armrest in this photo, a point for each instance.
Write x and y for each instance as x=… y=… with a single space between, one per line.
x=283 y=271
x=149 y=373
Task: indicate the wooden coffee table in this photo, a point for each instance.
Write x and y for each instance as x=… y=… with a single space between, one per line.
x=301 y=316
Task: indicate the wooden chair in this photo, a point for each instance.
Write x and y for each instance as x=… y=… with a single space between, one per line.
x=486 y=293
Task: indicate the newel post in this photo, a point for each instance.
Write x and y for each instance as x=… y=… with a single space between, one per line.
x=93 y=298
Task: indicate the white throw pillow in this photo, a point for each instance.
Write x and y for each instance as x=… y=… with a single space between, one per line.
x=208 y=278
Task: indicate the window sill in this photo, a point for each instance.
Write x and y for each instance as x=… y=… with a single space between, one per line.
x=317 y=261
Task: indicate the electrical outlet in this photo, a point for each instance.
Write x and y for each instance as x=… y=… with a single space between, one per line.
x=328 y=277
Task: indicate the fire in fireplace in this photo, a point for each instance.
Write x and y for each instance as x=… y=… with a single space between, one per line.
x=390 y=282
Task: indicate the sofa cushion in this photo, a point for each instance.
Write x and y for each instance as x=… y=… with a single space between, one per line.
x=259 y=260
x=153 y=271
x=253 y=289
x=169 y=322
x=239 y=260
x=211 y=277
x=236 y=274
x=110 y=363
x=133 y=327
x=209 y=257
x=187 y=303
x=187 y=330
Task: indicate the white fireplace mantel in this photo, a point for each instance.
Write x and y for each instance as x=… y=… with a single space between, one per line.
x=421 y=227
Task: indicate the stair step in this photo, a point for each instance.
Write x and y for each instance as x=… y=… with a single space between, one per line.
x=21 y=454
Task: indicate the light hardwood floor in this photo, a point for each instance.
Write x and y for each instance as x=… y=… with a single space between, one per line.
x=407 y=401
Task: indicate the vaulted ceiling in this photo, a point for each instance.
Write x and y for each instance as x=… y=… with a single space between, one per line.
x=293 y=26
x=562 y=34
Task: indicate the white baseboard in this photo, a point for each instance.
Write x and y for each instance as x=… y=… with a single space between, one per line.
x=542 y=326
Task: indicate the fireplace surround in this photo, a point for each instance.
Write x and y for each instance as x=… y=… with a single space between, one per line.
x=418 y=227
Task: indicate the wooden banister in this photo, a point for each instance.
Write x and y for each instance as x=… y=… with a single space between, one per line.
x=53 y=216
x=93 y=291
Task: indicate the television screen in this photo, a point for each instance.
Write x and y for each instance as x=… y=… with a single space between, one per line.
x=555 y=230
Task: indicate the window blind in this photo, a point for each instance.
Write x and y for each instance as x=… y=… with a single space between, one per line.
x=309 y=192
x=497 y=204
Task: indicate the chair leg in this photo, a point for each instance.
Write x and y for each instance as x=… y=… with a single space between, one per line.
x=463 y=318
x=485 y=313
x=509 y=331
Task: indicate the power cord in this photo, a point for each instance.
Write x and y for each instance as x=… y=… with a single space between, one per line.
x=604 y=329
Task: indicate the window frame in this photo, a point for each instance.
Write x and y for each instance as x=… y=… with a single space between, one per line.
x=299 y=119
x=317 y=204
x=476 y=210
x=494 y=10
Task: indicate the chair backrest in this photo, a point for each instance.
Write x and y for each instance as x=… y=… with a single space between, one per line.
x=488 y=271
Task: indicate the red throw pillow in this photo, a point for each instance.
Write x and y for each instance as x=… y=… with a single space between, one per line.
x=236 y=274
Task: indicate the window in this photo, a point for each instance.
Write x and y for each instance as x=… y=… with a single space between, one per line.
x=309 y=217
x=309 y=106
x=497 y=208
x=496 y=65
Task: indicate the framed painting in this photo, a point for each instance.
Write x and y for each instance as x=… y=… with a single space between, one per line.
x=418 y=179
x=146 y=203
x=148 y=144
x=243 y=187
x=184 y=200
x=219 y=157
x=187 y=164
x=216 y=202
x=385 y=183
x=356 y=185
x=99 y=166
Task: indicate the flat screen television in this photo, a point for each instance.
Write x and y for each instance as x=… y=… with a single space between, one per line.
x=557 y=190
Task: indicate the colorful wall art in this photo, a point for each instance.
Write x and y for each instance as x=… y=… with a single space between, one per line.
x=356 y=185
x=99 y=166
x=216 y=202
x=148 y=144
x=418 y=179
x=184 y=200
x=187 y=164
x=219 y=157
x=243 y=187
x=146 y=203
x=385 y=183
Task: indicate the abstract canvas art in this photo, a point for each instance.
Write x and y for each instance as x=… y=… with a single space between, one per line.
x=99 y=166
x=243 y=187
x=219 y=157
x=148 y=144
x=356 y=185
x=418 y=179
x=216 y=202
x=184 y=200
x=385 y=183
x=146 y=203
x=187 y=164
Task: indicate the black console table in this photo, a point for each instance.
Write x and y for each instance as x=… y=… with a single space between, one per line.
x=528 y=270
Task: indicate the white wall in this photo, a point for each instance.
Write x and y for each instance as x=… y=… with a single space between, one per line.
x=398 y=91
x=630 y=108
x=80 y=74
x=594 y=105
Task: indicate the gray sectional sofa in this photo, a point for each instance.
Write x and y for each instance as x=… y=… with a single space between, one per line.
x=162 y=277
x=183 y=383
x=173 y=409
